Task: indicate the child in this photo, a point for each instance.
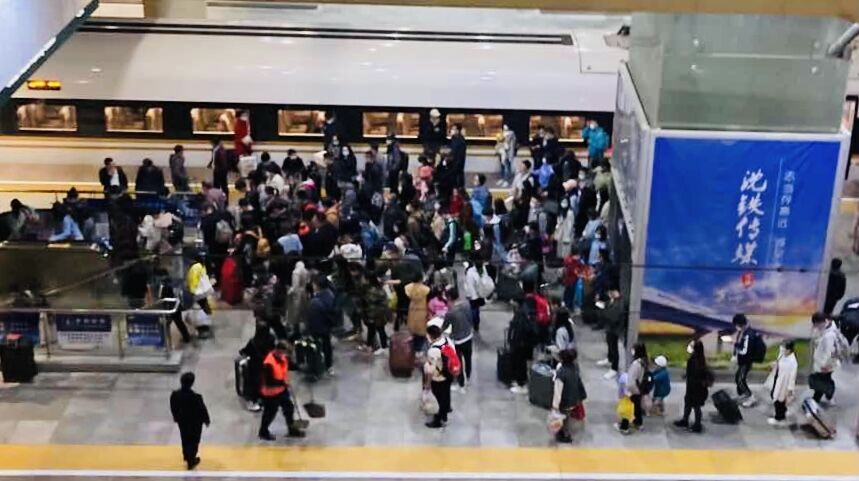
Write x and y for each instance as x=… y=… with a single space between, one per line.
x=437 y=303
x=661 y=386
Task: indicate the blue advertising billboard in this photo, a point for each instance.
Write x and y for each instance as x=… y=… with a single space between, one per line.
x=737 y=226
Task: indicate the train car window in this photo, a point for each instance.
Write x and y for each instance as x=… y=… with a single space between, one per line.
x=42 y=116
x=300 y=122
x=568 y=127
x=848 y=117
x=213 y=121
x=478 y=126
x=403 y=124
x=134 y=119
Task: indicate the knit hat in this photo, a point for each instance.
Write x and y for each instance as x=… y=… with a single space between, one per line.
x=661 y=361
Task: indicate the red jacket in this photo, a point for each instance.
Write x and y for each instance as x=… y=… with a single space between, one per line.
x=241 y=130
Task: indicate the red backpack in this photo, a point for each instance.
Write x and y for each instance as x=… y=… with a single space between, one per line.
x=543 y=313
x=450 y=360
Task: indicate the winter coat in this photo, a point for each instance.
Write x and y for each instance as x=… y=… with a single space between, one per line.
x=417 y=293
x=782 y=381
x=697 y=384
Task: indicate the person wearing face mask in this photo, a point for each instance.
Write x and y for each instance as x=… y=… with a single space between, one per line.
x=597 y=140
x=293 y=167
x=242 y=141
x=395 y=162
x=329 y=129
x=433 y=136
x=345 y=168
x=613 y=317
x=522 y=176
x=551 y=147
x=782 y=383
x=458 y=153
x=698 y=382
x=537 y=146
x=597 y=244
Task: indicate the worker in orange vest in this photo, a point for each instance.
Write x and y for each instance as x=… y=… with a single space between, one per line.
x=275 y=393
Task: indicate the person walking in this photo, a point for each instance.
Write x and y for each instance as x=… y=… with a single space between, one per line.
x=569 y=393
x=835 y=287
x=436 y=376
x=635 y=376
x=783 y=380
x=743 y=358
x=178 y=172
x=458 y=153
x=275 y=394
x=256 y=350
x=190 y=414
x=220 y=165
x=824 y=346
x=459 y=318
x=698 y=382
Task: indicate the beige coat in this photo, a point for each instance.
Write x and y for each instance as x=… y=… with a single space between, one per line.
x=417 y=293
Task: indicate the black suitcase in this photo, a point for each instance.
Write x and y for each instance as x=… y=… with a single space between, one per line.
x=541 y=385
x=818 y=422
x=240 y=366
x=727 y=407
x=17 y=359
x=504 y=366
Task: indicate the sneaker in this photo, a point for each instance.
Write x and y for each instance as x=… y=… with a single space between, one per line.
x=621 y=431
x=253 y=406
x=828 y=403
x=519 y=389
x=610 y=375
x=603 y=363
x=749 y=403
x=380 y=352
x=434 y=424
x=499 y=183
x=267 y=436
x=455 y=388
x=776 y=423
x=331 y=372
x=504 y=183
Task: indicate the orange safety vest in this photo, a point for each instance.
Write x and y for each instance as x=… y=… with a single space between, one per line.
x=281 y=373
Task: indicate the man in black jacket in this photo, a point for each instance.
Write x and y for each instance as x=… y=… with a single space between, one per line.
x=836 y=286
x=458 y=154
x=320 y=319
x=190 y=413
x=433 y=135
x=150 y=179
x=112 y=177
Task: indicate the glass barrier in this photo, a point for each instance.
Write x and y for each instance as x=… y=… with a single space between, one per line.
x=134 y=119
x=47 y=117
x=213 y=121
x=300 y=122
x=403 y=124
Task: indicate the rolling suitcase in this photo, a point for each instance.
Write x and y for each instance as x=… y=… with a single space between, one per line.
x=231 y=282
x=402 y=355
x=17 y=359
x=504 y=366
x=541 y=385
x=240 y=366
x=727 y=407
x=818 y=421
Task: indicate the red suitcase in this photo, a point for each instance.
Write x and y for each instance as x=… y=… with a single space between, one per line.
x=231 y=282
x=402 y=356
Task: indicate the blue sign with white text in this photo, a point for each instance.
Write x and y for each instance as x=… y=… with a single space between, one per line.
x=737 y=226
x=145 y=330
x=24 y=323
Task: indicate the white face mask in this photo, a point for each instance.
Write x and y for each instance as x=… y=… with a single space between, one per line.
x=690 y=348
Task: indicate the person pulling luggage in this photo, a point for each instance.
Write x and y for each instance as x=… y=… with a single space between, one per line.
x=275 y=394
x=783 y=383
x=824 y=352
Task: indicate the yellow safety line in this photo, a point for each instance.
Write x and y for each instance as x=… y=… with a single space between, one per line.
x=424 y=459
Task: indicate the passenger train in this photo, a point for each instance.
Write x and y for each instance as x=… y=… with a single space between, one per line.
x=155 y=83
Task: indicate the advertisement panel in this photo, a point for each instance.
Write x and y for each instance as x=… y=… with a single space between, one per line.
x=83 y=331
x=144 y=330
x=23 y=323
x=737 y=226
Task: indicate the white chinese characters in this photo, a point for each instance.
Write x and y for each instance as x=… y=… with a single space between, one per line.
x=750 y=210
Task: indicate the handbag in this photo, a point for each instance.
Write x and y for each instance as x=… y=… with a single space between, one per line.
x=485 y=286
x=429 y=404
x=578 y=412
x=625 y=409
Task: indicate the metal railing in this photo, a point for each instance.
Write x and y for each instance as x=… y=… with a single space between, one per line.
x=59 y=331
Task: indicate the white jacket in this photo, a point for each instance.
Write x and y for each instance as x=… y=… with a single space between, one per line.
x=823 y=345
x=471 y=286
x=783 y=378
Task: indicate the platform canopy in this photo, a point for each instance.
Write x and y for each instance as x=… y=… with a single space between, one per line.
x=30 y=30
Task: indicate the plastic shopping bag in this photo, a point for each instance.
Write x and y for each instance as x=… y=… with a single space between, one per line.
x=625 y=409
x=555 y=421
x=429 y=404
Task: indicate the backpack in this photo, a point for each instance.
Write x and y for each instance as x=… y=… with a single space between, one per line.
x=646 y=384
x=223 y=232
x=757 y=347
x=842 y=347
x=522 y=332
x=542 y=312
x=451 y=364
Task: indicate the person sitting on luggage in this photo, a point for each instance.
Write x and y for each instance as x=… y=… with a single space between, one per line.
x=256 y=350
x=698 y=382
x=275 y=394
x=661 y=385
x=824 y=346
x=783 y=383
x=569 y=393
x=434 y=372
